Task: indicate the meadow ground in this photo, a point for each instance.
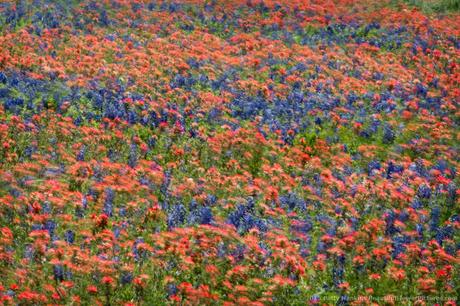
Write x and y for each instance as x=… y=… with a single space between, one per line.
x=229 y=152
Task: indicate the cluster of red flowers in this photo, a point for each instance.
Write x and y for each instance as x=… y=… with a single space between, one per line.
x=228 y=153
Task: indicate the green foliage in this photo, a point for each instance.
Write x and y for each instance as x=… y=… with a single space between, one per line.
x=433 y=6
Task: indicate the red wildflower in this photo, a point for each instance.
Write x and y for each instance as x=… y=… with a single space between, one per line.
x=91 y=289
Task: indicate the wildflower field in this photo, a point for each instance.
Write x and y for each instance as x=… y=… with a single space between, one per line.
x=229 y=152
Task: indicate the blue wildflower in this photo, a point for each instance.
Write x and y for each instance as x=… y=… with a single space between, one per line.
x=373 y=165
x=435 y=219
x=390 y=228
x=69 y=236
x=126 y=278
x=424 y=191
x=176 y=216
x=108 y=201
x=388 y=134
x=58 y=272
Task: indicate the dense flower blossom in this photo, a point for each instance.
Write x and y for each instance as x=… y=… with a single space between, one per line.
x=228 y=152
